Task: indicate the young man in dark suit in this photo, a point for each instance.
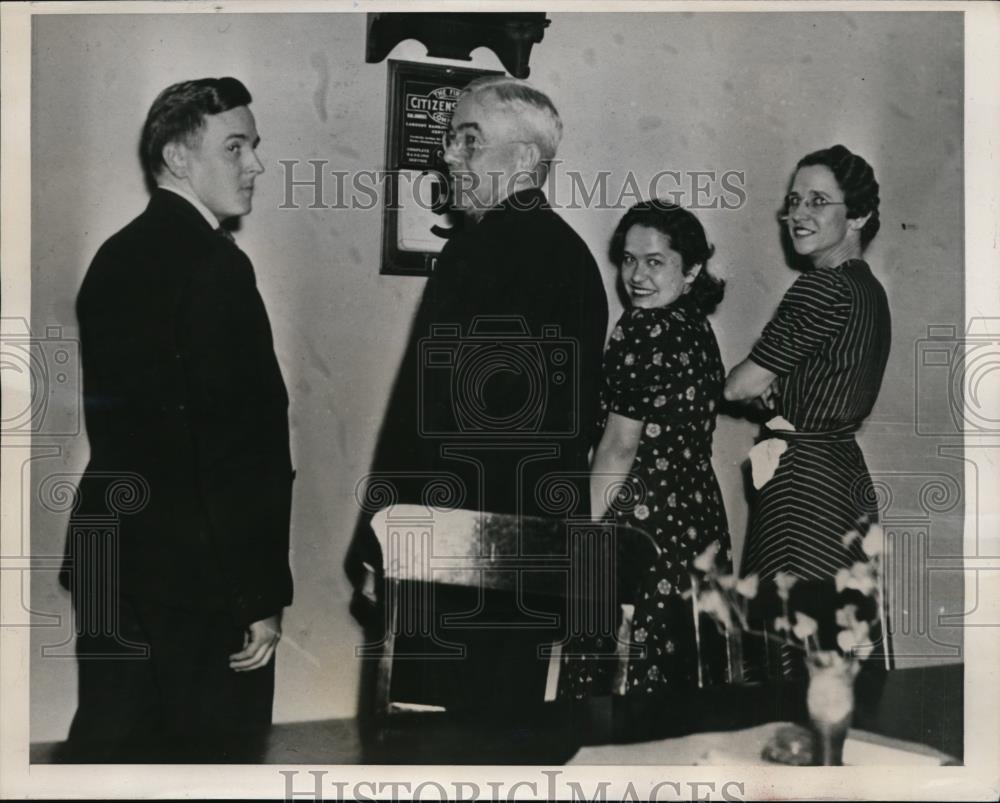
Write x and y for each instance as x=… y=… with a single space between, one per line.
x=178 y=606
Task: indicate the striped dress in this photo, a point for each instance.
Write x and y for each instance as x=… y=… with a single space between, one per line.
x=828 y=343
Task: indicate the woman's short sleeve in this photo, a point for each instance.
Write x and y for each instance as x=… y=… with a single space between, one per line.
x=655 y=367
x=813 y=312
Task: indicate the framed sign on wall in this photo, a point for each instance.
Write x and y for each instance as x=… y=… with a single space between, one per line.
x=416 y=220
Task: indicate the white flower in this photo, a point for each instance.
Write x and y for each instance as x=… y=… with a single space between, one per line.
x=662 y=463
x=657 y=358
x=659 y=401
x=841 y=579
x=706 y=560
x=672 y=500
x=630 y=359
x=782 y=623
x=846 y=616
x=664 y=586
x=805 y=626
x=849 y=538
x=618 y=334
x=639 y=635
x=690 y=393
x=846 y=640
x=712 y=603
x=855 y=638
x=874 y=541
x=747 y=587
x=656 y=331
x=683 y=357
x=862 y=577
x=641 y=512
x=653 y=430
x=784 y=581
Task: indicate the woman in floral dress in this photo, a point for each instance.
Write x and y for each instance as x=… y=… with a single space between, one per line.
x=663 y=381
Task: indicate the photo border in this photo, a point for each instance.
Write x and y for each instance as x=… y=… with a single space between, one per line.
x=977 y=779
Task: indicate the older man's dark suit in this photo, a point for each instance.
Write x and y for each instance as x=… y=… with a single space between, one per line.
x=522 y=264
x=184 y=402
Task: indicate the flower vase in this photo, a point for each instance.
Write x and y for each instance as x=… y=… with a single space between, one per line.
x=830 y=702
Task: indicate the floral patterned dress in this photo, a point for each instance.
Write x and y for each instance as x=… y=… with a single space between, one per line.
x=662 y=366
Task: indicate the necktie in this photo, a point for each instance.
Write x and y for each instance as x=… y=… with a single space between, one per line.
x=226 y=234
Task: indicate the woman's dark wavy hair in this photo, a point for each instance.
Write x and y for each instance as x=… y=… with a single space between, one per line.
x=179 y=112
x=687 y=238
x=857 y=181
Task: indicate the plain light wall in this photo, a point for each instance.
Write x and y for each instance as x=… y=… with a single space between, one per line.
x=686 y=92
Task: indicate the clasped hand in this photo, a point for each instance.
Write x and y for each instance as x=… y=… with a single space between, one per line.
x=769 y=398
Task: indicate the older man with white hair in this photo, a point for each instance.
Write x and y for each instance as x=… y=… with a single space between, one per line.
x=499 y=383
x=503 y=137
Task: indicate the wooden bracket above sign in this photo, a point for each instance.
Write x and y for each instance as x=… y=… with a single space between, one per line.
x=455 y=36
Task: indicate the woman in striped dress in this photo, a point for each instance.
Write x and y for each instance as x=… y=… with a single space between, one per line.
x=818 y=364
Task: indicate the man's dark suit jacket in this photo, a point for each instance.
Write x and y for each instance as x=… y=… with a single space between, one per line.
x=183 y=390
x=521 y=262
x=460 y=388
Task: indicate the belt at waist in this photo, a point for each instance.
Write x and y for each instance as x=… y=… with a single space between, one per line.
x=839 y=435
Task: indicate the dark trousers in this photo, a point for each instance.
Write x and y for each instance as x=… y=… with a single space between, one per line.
x=181 y=703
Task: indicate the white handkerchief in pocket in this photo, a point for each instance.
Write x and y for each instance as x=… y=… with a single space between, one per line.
x=765 y=455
